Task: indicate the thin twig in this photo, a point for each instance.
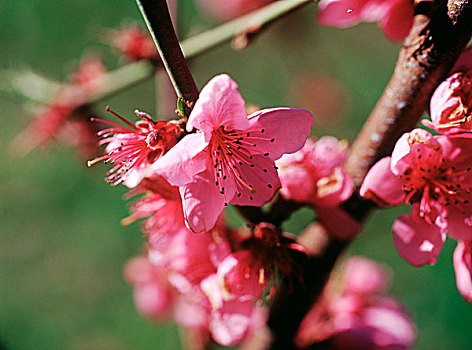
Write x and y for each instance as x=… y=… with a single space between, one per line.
x=158 y=21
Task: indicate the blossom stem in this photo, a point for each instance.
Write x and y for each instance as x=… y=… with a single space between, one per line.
x=158 y=21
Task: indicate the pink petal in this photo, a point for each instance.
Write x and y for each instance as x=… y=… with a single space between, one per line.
x=382 y=186
x=263 y=181
x=280 y=130
x=400 y=155
x=333 y=190
x=459 y=223
x=297 y=182
x=202 y=202
x=191 y=315
x=364 y=276
x=186 y=159
x=219 y=104
x=456 y=150
x=335 y=13
x=463 y=269
x=230 y=325
x=397 y=21
x=418 y=242
x=327 y=154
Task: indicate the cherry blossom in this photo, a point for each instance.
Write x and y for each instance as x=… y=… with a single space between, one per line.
x=463 y=269
x=230 y=160
x=315 y=175
x=434 y=174
x=359 y=316
x=132 y=148
x=395 y=17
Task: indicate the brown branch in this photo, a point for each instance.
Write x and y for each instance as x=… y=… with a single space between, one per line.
x=440 y=32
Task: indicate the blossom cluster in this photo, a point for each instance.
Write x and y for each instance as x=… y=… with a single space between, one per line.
x=66 y=116
x=433 y=173
x=186 y=172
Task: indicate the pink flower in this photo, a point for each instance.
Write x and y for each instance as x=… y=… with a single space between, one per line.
x=134 y=43
x=360 y=317
x=63 y=118
x=132 y=148
x=161 y=205
x=395 y=17
x=153 y=295
x=451 y=103
x=235 y=321
x=463 y=269
x=363 y=277
x=315 y=175
x=224 y=10
x=434 y=174
x=230 y=160
x=232 y=292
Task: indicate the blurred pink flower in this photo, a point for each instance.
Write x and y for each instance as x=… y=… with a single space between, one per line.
x=153 y=295
x=134 y=43
x=463 y=269
x=231 y=159
x=224 y=10
x=160 y=205
x=361 y=317
x=434 y=174
x=395 y=17
x=64 y=117
x=315 y=175
x=132 y=148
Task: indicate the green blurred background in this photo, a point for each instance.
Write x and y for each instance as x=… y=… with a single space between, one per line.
x=62 y=247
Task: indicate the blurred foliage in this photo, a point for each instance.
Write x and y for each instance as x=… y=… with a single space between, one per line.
x=62 y=247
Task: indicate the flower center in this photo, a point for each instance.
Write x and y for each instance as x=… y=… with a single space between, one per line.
x=235 y=153
x=427 y=182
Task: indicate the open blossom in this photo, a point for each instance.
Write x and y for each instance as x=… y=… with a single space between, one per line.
x=451 y=103
x=361 y=317
x=230 y=159
x=434 y=174
x=224 y=10
x=132 y=148
x=395 y=17
x=463 y=269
